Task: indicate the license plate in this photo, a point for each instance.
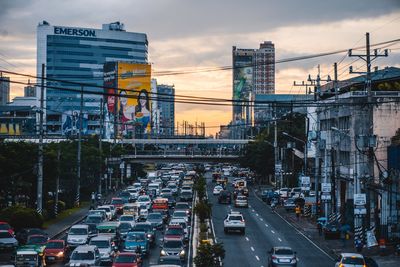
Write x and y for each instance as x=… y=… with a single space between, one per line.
x=51 y=258
x=284 y=260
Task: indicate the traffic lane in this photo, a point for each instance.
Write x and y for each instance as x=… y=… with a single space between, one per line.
x=307 y=252
x=241 y=250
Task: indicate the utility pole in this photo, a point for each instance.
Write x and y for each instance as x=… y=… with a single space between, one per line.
x=101 y=143
x=57 y=181
x=39 y=205
x=78 y=182
x=335 y=156
x=368 y=129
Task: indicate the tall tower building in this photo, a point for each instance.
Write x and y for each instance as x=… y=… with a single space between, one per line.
x=264 y=69
x=77 y=54
x=166 y=107
x=4 y=90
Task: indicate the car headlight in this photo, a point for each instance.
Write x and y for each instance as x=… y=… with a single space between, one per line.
x=182 y=253
x=60 y=254
x=163 y=253
x=148 y=235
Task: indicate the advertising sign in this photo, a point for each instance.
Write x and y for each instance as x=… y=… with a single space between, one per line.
x=305 y=183
x=371 y=239
x=242 y=81
x=360 y=210
x=360 y=199
x=326 y=187
x=128 y=103
x=71 y=123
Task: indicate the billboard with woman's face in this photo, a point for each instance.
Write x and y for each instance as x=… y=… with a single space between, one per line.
x=129 y=106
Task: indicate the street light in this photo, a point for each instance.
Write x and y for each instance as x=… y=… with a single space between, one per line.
x=305 y=149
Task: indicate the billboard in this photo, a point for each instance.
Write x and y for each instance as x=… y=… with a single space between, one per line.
x=242 y=82
x=128 y=107
x=71 y=123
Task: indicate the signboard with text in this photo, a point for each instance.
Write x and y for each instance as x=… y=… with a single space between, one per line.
x=325 y=187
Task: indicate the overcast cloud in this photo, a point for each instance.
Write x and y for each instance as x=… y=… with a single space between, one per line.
x=197 y=34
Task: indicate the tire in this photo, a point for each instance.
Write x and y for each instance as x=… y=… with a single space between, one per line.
x=243 y=231
x=225 y=230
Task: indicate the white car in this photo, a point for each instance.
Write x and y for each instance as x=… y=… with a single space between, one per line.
x=105 y=246
x=108 y=211
x=217 y=190
x=234 y=221
x=350 y=259
x=144 y=201
x=78 y=235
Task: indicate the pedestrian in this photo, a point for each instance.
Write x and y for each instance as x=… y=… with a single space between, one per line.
x=319 y=226
x=359 y=245
x=343 y=237
x=298 y=211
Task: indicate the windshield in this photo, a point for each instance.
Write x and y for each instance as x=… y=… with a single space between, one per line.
x=125 y=226
x=143 y=199
x=117 y=201
x=172 y=186
x=181 y=206
x=355 y=261
x=283 y=252
x=174 y=231
x=125 y=258
x=5 y=235
x=235 y=218
x=78 y=231
x=154 y=216
x=173 y=244
x=4 y=226
x=241 y=198
x=55 y=245
x=126 y=218
x=107 y=231
x=94 y=219
x=37 y=240
x=179 y=214
x=26 y=257
x=136 y=237
x=105 y=209
x=100 y=243
x=78 y=255
x=142 y=227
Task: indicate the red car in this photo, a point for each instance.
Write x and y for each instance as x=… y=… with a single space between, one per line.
x=117 y=202
x=127 y=259
x=6 y=226
x=175 y=232
x=56 y=250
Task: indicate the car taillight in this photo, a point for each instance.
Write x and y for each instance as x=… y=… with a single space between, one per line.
x=274 y=257
x=341 y=265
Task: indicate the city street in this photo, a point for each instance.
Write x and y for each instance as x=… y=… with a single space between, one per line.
x=264 y=230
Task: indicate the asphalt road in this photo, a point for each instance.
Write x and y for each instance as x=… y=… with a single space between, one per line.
x=264 y=229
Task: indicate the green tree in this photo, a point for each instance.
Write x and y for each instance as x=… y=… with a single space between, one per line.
x=208 y=255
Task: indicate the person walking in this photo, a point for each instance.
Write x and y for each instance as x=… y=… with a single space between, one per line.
x=298 y=211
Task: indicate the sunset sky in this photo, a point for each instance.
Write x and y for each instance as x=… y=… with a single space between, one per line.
x=193 y=34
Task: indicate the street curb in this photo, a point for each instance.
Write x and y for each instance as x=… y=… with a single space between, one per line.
x=66 y=228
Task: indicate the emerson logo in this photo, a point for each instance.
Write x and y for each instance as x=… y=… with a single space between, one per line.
x=75 y=32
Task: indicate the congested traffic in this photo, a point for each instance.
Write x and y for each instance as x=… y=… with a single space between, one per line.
x=148 y=223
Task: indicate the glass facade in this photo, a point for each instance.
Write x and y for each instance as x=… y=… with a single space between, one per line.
x=165 y=101
x=79 y=59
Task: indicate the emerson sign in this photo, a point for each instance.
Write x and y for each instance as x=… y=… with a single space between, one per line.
x=74 y=32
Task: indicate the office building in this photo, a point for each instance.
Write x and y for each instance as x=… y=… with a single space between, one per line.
x=30 y=91
x=166 y=107
x=74 y=54
x=264 y=69
x=4 y=90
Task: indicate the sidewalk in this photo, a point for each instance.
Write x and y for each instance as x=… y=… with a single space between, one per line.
x=335 y=246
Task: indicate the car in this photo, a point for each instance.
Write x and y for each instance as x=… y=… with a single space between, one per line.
x=241 y=201
x=331 y=230
x=6 y=226
x=148 y=229
x=181 y=214
x=92 y=229
x=126 y=196
x=124 y=228
x=234 y=221
x=289 y=204
x=137 y=239
x=174 y=231
x=282 y=256
x=173 y=247
x=24 y=233
x=350 y=259
x=117 y=202
x=95 y=219
x=7 y=241
x=144 y=201
x=284 y=192
x=56 y=251
x=29 y=256
x=108 y=211
x=225 y=197
x=101 y=213
x=217 y=189
x=127 y=259
x=40 y=240
x=106 y=247
x=186 y=196
x=78 y=235
x=173 y=187
x=155 y=219
x=183 y=224
x=85 y=255
x=134 y=193
x=268 y=195
x=183 y=206
x=169 y=261
x=171 y=201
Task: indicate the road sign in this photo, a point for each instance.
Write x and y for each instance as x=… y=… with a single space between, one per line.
x=325 y=196
x=305 y=183
x=360 y=199
x=325 y=187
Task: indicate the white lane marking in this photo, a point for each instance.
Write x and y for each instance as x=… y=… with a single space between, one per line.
x=308 y=239
x=257 y=258
x=279 y=239
x=257 y=214
x=252 y=249
x=266 y=225
x=261 y=219
x=247 y=239
x=272 y=231
x=253 y=210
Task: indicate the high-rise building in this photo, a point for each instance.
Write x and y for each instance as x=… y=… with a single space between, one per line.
x=30 y=91
x=264 y=69
x=4 y=90
x=73 y=54
x=166 y=106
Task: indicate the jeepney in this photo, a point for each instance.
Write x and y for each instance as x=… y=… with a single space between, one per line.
x=109 y=229
x=131 y=209
x=30 y=255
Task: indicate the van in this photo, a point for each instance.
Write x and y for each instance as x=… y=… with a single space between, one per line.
x=78 y=235
x=156 y=187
